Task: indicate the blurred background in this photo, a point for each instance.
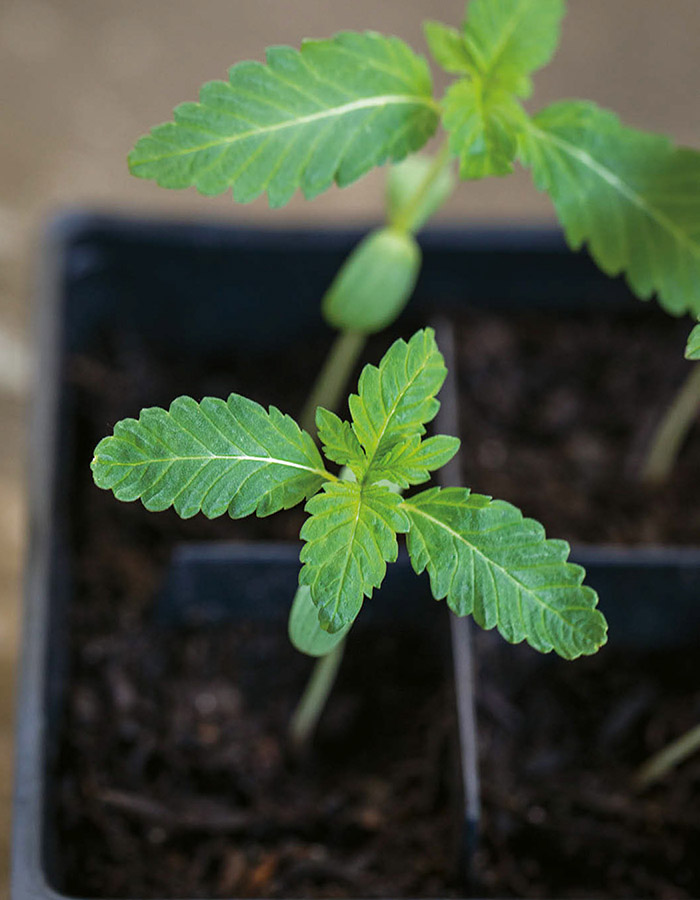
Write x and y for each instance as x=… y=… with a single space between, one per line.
x=83 y=78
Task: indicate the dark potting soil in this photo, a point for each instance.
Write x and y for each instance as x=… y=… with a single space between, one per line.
x=559 y=744
x=555 y=416
x=557 y=413
x=174 y=777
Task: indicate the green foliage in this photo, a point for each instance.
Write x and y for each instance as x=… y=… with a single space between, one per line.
x=374 y=283
x=351 y=535
x=352 y=530
x=481 y=554
x=412 y=460
x=448 y=48
x=396 y=399
x=340 y=442
x=328 y=112
x=335 y=108
x=507 y=40
x=212 y=456
x=492 y=563
x=692 y=349
x=501 y=44
x=484 y=122
x=633 y=197
x=305 y=630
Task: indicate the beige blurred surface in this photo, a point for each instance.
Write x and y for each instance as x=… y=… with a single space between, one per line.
x=82 y=78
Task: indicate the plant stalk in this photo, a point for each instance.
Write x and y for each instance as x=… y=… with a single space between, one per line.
x=331 y=381
x=313 y=700
x=403 y=222
x=672 y=431
x=662 y=762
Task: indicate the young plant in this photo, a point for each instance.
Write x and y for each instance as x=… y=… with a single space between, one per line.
x=326 y=114
x=235 y=457
x=336 y=108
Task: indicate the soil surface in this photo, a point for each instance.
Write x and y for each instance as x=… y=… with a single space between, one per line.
x=175 y=779
x=555 y=416
x=557 y=413
x=559 y=744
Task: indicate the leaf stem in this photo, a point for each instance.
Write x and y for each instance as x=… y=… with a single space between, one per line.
x=310 y=706
x=672 y=431
x=404 y=220
x=662 y=762
x=331 y=381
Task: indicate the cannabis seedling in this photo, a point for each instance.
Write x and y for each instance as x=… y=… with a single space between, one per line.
x=326 y=114
x=233 y=456
x=336 y=108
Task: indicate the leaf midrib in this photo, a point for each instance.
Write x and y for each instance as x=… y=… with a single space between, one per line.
x=208 y=457
x=505 y=571
x=346 y=108
x=607 y=175
x=490 y=66
x=389 y=415
x=349 y=554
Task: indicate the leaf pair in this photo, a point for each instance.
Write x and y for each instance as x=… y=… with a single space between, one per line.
x=482 y=555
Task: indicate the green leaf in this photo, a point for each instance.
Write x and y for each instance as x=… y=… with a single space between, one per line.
x=484 y=122
x=492 y=563
x=211 y=456
x=447 y=47
x=507 y=40
x=350 y=536
x=328 y=112
x=633 y=197
x=412 y=461
x=409 y=205
x=305 y=630
x=397 y=398
x=340 y=443
x=692 y=349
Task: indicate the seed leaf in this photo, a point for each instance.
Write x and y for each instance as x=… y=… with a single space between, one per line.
x=633 y=197
x=214 y=456
x=350 y=536
x=692 y=349
x=305 y=630
x=328 y=112
x=397 y=398
x=494 y=564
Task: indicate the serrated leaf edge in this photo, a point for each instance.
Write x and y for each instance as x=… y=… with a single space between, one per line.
x=490 y=563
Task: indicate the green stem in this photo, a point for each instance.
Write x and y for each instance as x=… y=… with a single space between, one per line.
x=404 y=221
x=663 y=761
x=672 y=431
x=310 y=707
x=331 y=381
